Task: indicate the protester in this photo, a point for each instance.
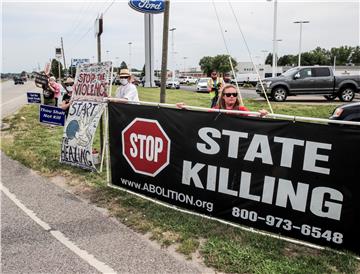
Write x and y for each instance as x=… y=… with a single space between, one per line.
x=227 y=78
x=214 y=85
x=48 y=94
x=56 y=89
x=126 y=90
x=229 y=100
x=65 y=104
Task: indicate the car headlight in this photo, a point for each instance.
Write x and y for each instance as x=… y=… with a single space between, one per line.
x=337 y=112
x=267 y=84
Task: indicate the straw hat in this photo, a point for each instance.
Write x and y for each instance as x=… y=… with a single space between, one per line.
x=124 y=73
x=69 y=80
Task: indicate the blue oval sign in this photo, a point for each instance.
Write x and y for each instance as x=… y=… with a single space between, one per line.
x=148 y=6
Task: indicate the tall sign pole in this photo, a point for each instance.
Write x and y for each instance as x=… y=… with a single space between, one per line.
x=156 y=6
x=149 y=49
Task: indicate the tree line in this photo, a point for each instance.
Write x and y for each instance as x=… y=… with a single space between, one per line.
x=343 y=55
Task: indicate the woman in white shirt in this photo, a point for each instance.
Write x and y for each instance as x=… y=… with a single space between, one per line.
x=127 y=90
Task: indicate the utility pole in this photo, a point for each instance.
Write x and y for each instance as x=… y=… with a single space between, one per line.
x=63 y=52
x=98 y=32
x=301 y=23
x=164 y=52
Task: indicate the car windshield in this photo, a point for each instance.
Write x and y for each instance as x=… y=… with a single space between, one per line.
x=289 y=72
x=202 y=80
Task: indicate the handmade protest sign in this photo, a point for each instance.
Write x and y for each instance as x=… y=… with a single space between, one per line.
x=92 y=81
x=79 y=132
x=272 y=175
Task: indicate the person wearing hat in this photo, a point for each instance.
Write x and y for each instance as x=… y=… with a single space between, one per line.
x=65 y=104
x=127 y=90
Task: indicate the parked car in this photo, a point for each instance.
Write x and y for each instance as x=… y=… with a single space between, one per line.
x=173 y=83
x=347 y=112
x=187 y=80
x=202 y=85
x=312 y=80
x=18 y=81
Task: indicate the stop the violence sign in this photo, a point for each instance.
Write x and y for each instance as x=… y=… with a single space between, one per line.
x=146 y=146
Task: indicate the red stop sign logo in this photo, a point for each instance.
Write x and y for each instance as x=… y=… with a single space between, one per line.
x=146 y=146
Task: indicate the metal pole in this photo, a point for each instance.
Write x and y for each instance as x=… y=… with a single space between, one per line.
x=62 y=48
x=99 y=61
x=300 y=22
x=164 y=52
x=299 y=61
x=274 y=39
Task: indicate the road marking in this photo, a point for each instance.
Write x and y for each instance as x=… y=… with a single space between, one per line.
x=83 y=254
x=13 y=99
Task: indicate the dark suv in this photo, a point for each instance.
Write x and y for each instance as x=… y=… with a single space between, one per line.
x=347 y=112
x=18 y=81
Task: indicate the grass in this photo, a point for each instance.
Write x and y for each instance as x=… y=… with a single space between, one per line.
x=222 y=247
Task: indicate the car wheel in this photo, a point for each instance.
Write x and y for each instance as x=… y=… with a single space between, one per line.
x=347 y=94
x=279 y=94
x=330 y=97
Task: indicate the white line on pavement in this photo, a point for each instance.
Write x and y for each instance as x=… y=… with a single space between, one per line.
x=83 y=254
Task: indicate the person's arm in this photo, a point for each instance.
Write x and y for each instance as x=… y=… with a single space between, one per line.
x=65 y=104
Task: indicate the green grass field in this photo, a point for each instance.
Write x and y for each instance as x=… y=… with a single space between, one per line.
x=225 y=248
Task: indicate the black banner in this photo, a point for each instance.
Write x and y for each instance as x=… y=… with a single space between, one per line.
x=291 y=178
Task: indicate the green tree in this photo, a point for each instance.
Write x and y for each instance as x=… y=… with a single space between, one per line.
x=287 y=60
x=320 y=56
x=355 y=57
x=220 y=63
x=123 y=65
x=143 y=71
x=268 y=60
x=55 y=69
x=206 y=64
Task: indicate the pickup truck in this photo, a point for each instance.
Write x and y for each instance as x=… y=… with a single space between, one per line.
x=314 y=80
x=187 y=80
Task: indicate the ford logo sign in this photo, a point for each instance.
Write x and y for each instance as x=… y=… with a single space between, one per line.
x=148 y=6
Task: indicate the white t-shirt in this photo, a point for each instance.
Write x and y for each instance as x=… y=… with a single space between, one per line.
x=128 y=91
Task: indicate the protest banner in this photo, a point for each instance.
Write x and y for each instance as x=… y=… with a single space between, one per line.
x=290 y=178
x=51 y=115
x=92 y=81
x=79 y=132
x=33 y=98
x=41 y=79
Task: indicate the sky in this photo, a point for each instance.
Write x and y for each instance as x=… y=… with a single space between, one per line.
x=31 y=30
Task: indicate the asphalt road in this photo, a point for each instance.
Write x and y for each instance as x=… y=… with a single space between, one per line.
x=14 y=96
x=46 y=229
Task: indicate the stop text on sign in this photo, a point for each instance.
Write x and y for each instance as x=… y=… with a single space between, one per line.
x=145 y=146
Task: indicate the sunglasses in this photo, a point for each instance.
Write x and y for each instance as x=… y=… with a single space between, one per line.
x=231 y=94
x=123 y=77
x=69 y=85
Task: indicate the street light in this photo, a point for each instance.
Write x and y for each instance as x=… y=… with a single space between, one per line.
x=129 y=65
x=173 y=53
x=274 y=38
x=184 y=63
x=300 y=22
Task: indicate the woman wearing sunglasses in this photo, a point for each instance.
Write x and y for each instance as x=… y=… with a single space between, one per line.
x=229 y=100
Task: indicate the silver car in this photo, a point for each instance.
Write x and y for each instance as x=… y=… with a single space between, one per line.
x=201 y=85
